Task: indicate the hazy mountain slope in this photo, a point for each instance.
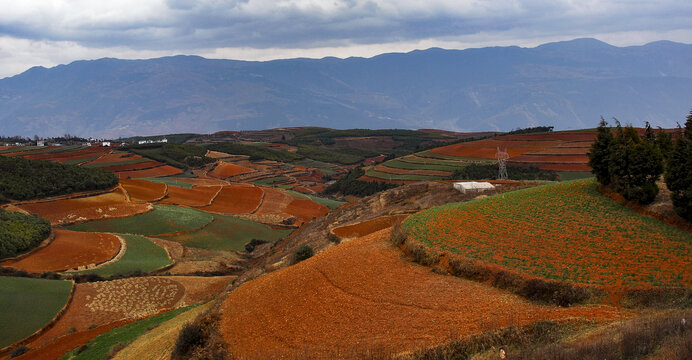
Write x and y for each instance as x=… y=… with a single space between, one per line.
x=566 y=84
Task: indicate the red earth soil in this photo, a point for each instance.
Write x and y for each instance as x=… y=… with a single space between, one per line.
x=396 y=171
x=197 y=196
x=143 y=190
x=137 y=166
x=562 y=151
x=487 y=148
x=305 y=210
x=68 y=155
x=363 y=295
x=69 y=250
x=109 y=205
x=555 y=159
x=165 y=170
x=556 y=167
x=114 y=157
x=275 y=201
x=367 y=227
x=589 y=135
x=226 y=170
x=203 y=181
x=236 y=199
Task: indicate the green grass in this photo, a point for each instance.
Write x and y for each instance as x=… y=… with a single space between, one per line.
x=141 y=254
x=169 y=181
x=399 y=164
x=27 y=304
x=386 y=176
x=574 y=175
x=563 y=231
x=99 y=347
x=20 y=149
x=228 y=233
x=270 y=181
x=331 y=204
x=162 y=220
x=324 y=167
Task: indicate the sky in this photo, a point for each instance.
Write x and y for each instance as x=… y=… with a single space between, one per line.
x=52 y=32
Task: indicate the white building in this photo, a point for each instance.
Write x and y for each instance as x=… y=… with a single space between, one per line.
x=106 y=143
x=465 y=186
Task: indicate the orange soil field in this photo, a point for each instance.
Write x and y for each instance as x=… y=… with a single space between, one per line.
x=143 y=190
x=560 y=135
x=396 y=171
x=69 y=250
x=363 y=295
x=68 y=155
x=236 y=199
x=197 y=196
x=562 y=151
x=203 y=181
x=109 y=205
x=367 y=227
x=137 y=166
x=165 y=170
x=114 y=157
x=487 y=148
x=275 y=201
x=305 y=210
x=101 y=303
x=564 y=167
x=226 y=170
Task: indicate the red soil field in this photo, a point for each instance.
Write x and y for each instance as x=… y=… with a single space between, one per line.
x=554 y=159
x=109 y=205
x=487 y=148
x=305 y=210
x=69 y=250
x=367 y=227
x=137 y=166
x=197 y=196
x=143 y=190
x=114 y=157
x=165 y=170
x=225 y=170
x=558 y=150
x=203 y=181
x=362 y=295
x=388 y=170
x=589 y=135
x=275 y=201
x=69 y=155
x=236 y=199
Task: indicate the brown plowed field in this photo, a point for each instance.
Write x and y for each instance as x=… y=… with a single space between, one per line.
x=236 y=199
x=137 y=166
x=204 y=181
x=197 y=196
x=388 y=170
x=364 y=295
x=69 y=250
x=305 y=210
x=367 y=227
x=226 y=170
x=114 y=157
x=69 y=155
x=165 y=170
x=142 y=190
x=275 y=201
x=487 y=148
x=60 y=212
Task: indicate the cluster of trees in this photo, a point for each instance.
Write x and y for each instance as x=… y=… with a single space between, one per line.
x=535 y=129
x=489 y=171
x=20 y=233
x=350 y=185
x=22 y=179
x=630 y=164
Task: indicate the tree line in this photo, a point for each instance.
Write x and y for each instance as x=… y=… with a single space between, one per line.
x=20 y=233
x=630 y=164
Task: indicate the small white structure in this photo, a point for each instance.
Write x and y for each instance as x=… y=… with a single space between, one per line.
x=106 y=143
x=465 y=186
x=40 y=143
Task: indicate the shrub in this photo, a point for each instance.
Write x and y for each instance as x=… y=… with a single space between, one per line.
x=304 y=252
x=21 y=350
x=250 y=247
x=422 y=254
x=191 y=336
x=398 y=235
x=20 y=233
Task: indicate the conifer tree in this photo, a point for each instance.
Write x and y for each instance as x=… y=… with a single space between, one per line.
x=679 y=171
x=599 y=155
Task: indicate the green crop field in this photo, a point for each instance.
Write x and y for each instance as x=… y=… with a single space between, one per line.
x=169 y=181
x=331 y=204
x=574 y=175
x=27 y=304
x=563 y=231
x=386 y=176
x=162 y=220
x=228 y=233
x=141 y=255
x=324 y=167
x=20 y=149
x=99 y=347
x=270 y=180
x=401 y=164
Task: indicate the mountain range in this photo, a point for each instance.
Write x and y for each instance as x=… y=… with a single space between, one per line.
x=568 y=85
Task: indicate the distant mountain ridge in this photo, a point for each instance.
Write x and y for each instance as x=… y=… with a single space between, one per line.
x=567 y=84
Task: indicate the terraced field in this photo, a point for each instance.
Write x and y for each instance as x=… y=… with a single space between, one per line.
x=140 y=255
x=27 y=304
x=563 y=231
x=162 y=220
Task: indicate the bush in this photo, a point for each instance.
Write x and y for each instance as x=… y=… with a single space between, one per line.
x=21 y=350
x=191 y=336
x=422 y=254
x=250 y=247
x=20 y=233
x=304 y=252
x=350 y=185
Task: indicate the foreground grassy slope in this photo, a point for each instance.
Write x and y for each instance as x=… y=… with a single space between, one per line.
x=141 y=255
x=163 y=220
x=563 y=231
x=27 y=304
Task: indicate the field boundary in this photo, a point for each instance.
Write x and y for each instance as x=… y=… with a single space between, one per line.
x=212 y=199
x=118 y=256
x=175 y=233
x=77 y=195
x=50 y=324
x=261 y=201
x=40 y=246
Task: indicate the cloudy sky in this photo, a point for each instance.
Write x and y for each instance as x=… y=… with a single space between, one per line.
x=51 y=32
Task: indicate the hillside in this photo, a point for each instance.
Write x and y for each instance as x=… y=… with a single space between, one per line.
x=567 y=84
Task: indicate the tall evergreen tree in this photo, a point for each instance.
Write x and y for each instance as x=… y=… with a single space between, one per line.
x=664 y=142
x=635 y=165
x=599 y=155
x=679 y=171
